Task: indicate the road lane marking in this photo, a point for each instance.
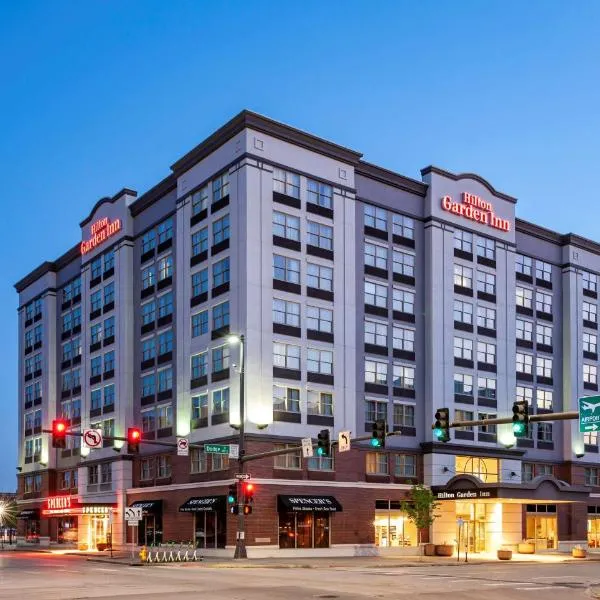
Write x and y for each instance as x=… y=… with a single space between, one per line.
x=501 y=583
x=542 y=587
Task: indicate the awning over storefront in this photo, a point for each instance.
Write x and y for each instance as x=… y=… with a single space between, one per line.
x=149 y=507
x=308 y=503
x=29 y=513
x=203 y=504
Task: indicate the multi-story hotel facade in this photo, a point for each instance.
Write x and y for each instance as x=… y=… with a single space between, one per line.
x=361 y=294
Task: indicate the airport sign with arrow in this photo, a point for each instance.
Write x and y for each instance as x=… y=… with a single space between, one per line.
x=589 y=414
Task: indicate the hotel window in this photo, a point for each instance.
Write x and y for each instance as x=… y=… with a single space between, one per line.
x=200 y=200
x=543 y=302
x=198 y=463
x=96 y=301
x=165 y=267
x=485 y=469
x=200 y=241
x=165 y=305
x=220 y=315
x=286 y=356
x=590 y=374
x=66 y=381
x=543 y=367
x=319 y=277
x=146 y=469
x=37 y=334
x=148 y=241
x=486 y=282
x=320 y=403
x=487 y=428
x=109 y=293
x=376 y=372
x=403 y=301
x=163 y=467
x=165 y=380
x=148 y=277
x=463 y=240
x=286 y=183
x=404 y=415
x=286 y=399
x=96 y=399
x=105 y=473
x=148 y=420
x=220 y=359
x=96 y=366
x=463 y=415
x=590 y=438
x=319 y=361
x=404 y=377
x=376 y=333
x=486 y=248
x=319 y=319
x=286 y=312
x=200 y=406
x=590 y=281
x=463 y=312
x=320 y=463
x=28 y=366
x=376 y=294
x=76 y=378
x=37 y=362
x=486 y=353
x=220 y=272
x=65 y=480
x=543 y=270
x=66 y=349
x=591 y=476
x=37 y=419
x=29 y=311
x=108 y=428
x=164 y=416
x=220 y=230
x=286 y=269
x=96 y=268
x=524 y=394
x=463 y=276
x=590 y=312
x=403 y=339
x=29 y=448
x=319 y=193
x=200 y=283
x=524 y=330
x=109 y=327
x=377 y=463
x=590 y=342
x=544 y=399
x=486 y=317
x=404 y=263
x=148 y=312
x=527 y=472
x=320 y=235
x=463 y=384
x=93 y=478
x=544 y=432
x=376 y=256
x=109 y=260
x=109 y=361
x=286 y=226
x=375 y=411
x=165 y=230
x=28 y=421
x=403 y=226
x=375 y=217
x=148 y=385
x=165 y=342
x=287 y=461
x=109 y=395
x=524 y=363
x=405 y=465
x=524 y=297
x=463 y=348
x=76 y=286
x=67 y=293
x=486 y=388
x=524 y=265
x=28 y=338
x=29 y=393
x=220 y=401
x=543 y=334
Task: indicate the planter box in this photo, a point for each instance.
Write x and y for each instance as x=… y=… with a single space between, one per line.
x=504 y=554
x=444 y=550
x=578 y=553
x=429 y=549
x=526 y=548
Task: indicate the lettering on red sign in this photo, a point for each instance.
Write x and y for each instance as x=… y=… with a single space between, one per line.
x=475 y=208
x=101 y=230
x=58 y=502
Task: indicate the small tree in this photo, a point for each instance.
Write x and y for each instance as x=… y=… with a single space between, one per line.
x=420 y=509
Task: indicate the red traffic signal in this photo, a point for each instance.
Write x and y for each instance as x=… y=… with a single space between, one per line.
x=134 y=435
x=59 y=433
x=249 y=489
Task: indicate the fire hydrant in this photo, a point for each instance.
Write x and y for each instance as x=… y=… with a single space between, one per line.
x=143 y=554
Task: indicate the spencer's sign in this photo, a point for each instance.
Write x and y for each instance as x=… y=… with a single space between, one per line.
x=475 y=208
x=101 y=230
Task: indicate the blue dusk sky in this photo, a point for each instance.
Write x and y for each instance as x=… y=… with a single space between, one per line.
x=100 y=95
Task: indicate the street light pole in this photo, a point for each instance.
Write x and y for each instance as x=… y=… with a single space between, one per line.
x=240 y=545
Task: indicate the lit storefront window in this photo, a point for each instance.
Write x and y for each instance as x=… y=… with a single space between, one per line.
x=485 y=469
x=593 y=526
x=542 y=526
x=304 y=530
x=392 y=526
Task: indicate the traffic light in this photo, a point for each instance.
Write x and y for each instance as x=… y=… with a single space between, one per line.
x=520 y=418
x=248 y=491
x=379 y=434
x=323 y=443
x=441 y=429
x=59 y=433
x=134 y=435
x=232 y=495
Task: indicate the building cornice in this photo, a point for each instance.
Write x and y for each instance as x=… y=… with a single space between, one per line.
x=161 y=189
x=48 y=267
x=391 y=178
x=107 y=200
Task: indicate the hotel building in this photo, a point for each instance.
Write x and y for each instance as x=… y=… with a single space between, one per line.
x=362 y=294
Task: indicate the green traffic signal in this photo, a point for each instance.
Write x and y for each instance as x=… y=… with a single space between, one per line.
x=519 y=428
x=438 y=433
x=320 y=451
x=375 y=443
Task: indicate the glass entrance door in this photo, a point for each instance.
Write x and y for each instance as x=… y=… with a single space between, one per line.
x=472 y=531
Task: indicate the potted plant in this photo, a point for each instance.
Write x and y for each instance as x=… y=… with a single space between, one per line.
x=504 y=554
x=578 y=552
x=444 y=549
x=526 y=547
x=420 y=510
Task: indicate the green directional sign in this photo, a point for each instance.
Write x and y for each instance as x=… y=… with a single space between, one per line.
x=216 y=448
x=589 y=414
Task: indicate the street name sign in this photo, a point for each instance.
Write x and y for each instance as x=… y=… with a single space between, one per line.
x=216 y=448
x=589 y=414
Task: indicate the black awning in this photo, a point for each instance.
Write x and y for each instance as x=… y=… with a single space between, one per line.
x=203 y=504
x=29 y=513
x=308 y=503
x=149 y=507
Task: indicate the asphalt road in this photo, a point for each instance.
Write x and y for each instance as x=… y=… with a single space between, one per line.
x=51 y=577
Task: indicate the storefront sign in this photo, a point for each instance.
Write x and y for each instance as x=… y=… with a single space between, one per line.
x=97 y=510
x=309 y=503
x=475 y=208
x=58 y=504
x=203 y=504
x=101 y=230
x=69 y=505
x=464 y=494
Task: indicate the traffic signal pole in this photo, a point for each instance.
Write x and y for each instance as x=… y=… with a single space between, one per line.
x=564 y=416
x=240 y=544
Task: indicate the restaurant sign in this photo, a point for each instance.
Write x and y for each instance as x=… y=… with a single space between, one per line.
x=476 y=209
x=70 y=505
